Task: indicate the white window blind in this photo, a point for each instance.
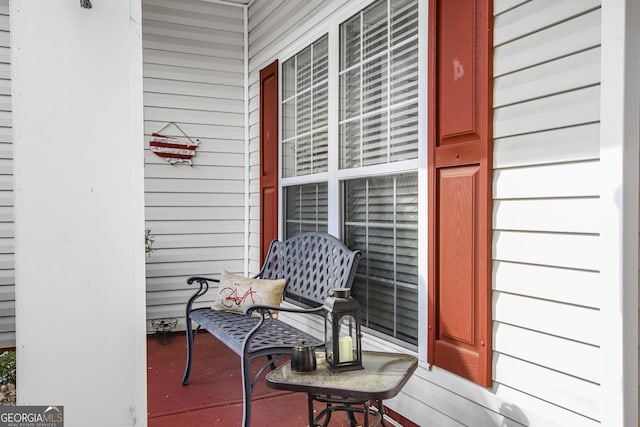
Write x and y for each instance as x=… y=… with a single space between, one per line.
x=305 y=98
x=381 y=219
x=379 y=84
x=306 y=209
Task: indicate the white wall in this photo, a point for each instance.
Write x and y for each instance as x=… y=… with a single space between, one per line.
x=194 y=76
x=78 y=159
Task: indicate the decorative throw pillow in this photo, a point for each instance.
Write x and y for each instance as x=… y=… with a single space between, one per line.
x=236 y=292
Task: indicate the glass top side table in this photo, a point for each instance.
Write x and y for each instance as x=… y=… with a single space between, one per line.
x=383 y=377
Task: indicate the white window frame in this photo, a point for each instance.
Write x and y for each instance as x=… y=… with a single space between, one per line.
x=334 y=176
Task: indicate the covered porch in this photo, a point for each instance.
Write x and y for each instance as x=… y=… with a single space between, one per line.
x=562 y=219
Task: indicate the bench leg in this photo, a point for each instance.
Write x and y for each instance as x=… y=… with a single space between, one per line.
x=190 y=338
x=246 y=390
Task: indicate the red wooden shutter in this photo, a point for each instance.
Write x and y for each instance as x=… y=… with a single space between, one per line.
x=268 y=157
x=460 y=187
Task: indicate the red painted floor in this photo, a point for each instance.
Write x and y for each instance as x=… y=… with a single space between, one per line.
x=214 y=394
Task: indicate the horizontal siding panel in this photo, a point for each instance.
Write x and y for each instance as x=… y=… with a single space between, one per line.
x=578 y=179
x=177 y=297
x=7 y=292
x=199 y=103
x=555 y=215
x=200 y=130
x=222 y=240
x=192 y=268
x=552 y=249
x=573 y=358
x=190 y=88
x=186 y=74
x=501 y=6
x=6 y=151
x=562 y=75
x=6 y=245
x=191 y=19
x=5 y=135
x=562 y=110
x=5 y=71
x=8 y=324
x=561 y=320
x=154 y=56
x=576 y=287
x=563 y=390
x=574 y=35
x=193 y=199
x=7 y=276
x=4 y=37
x=7 y=340
x=186 y=213
x=6 y=229
x=197 y=34
x=540 y=412
x=532 y=16
x=188 y=185
x=209 y=226
x=450 y=408
x=5 y=87
x=181 y=116
x=200 y=7
x=554 y=146
x=193 y=172
x=196 y=47
x=6 y=213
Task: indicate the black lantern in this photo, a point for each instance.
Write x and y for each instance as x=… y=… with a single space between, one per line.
x=342 y=335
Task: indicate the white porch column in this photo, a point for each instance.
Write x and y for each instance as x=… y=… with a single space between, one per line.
x=79 y=206
x=619 y=141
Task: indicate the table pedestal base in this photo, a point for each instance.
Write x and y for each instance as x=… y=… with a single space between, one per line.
x=350 y=406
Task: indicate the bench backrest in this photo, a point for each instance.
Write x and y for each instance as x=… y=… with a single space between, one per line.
x=313 y=264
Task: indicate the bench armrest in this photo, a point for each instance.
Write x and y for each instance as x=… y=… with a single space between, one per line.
x=204 y=287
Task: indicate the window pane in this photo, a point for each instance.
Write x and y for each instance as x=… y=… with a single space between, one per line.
x=303 y=70
x=320 y=151
x=374 y=29
x=321 y=60
x=350 y=144
x=374 y=85
x=374 y=139
x=289 y=119
x=350 y=42
x=350 y=94
x=403 y=132
x=379 y=85
x=305 y=208
x=404 y=20
x=305 y=110
x=381 y=220
x=289 y=78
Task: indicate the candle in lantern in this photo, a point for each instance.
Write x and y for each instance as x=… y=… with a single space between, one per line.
x=345 y=349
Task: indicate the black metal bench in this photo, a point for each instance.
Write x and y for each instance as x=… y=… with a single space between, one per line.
x=313 y=264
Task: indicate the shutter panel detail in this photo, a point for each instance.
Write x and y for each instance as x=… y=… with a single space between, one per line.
x=460 y=187
x=268 y=157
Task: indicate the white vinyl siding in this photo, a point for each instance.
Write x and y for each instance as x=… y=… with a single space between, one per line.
x=546 y=224
x=7 y=278
x=193 y=75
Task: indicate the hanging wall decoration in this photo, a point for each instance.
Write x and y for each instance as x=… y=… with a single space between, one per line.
x=173 y=149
